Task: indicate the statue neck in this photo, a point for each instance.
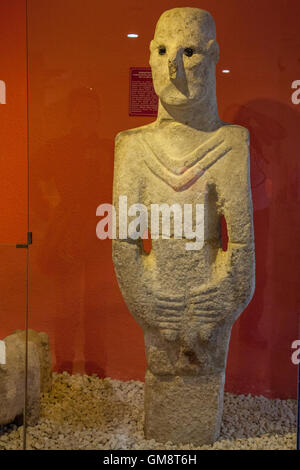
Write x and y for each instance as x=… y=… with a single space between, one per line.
x=202 y=116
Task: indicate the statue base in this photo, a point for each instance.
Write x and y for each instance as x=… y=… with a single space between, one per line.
x=183 y=409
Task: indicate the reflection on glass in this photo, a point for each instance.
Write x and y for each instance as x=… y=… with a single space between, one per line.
x=78 y=99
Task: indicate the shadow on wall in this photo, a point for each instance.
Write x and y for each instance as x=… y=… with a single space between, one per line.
x=260 y=350
x=70 y=177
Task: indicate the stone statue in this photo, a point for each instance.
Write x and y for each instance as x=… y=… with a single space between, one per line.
x=12 y=376
x=186 y=301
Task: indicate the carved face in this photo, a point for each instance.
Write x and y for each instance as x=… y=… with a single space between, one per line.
x=183 y=56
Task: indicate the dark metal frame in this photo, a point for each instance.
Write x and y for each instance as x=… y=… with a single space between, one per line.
x=298 y=421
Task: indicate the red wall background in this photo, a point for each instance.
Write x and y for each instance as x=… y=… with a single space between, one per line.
x=79 y=60
x=13 y=166
x=13 y=128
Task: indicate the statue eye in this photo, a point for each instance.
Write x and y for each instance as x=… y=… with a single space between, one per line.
x=188 y=51
x=161 y=50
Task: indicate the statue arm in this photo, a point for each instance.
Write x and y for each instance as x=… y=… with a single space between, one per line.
x=232 y=284
x=129 y=258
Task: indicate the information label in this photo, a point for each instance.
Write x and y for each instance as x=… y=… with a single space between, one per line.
x=143 y=100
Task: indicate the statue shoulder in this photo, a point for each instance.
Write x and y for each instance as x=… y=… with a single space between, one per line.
x=237 y=137
x=128 y=150
x=131 y=137
x=237 y=133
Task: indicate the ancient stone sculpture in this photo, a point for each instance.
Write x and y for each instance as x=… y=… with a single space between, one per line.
x=12 y=376
x=186 y=301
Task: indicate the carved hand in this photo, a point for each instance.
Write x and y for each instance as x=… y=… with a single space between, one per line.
x=169 y=311
x=208 y=303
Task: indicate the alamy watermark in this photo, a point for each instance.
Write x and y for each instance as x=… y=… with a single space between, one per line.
x=185 y=223
x=296 y=353
x=2 y=352
x=296 y=94
x=2 y=92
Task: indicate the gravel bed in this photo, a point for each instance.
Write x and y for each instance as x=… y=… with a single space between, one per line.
x=85 y=412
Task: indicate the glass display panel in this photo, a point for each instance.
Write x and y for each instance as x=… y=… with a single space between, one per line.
x=81 y=58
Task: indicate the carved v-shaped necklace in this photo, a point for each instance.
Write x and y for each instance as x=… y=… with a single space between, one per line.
x=193 y=165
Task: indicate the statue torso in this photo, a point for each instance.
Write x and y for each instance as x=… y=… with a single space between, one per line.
x=176 y=166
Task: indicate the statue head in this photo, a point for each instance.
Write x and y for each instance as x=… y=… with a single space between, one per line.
x=184 y=53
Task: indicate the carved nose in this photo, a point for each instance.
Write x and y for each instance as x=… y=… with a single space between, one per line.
x=172 y=68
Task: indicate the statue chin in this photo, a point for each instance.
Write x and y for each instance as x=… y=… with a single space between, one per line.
x=177 y=99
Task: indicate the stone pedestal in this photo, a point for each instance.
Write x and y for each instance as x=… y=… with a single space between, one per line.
x=183 y=409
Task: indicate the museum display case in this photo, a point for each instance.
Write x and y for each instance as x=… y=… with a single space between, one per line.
x=75 y=75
